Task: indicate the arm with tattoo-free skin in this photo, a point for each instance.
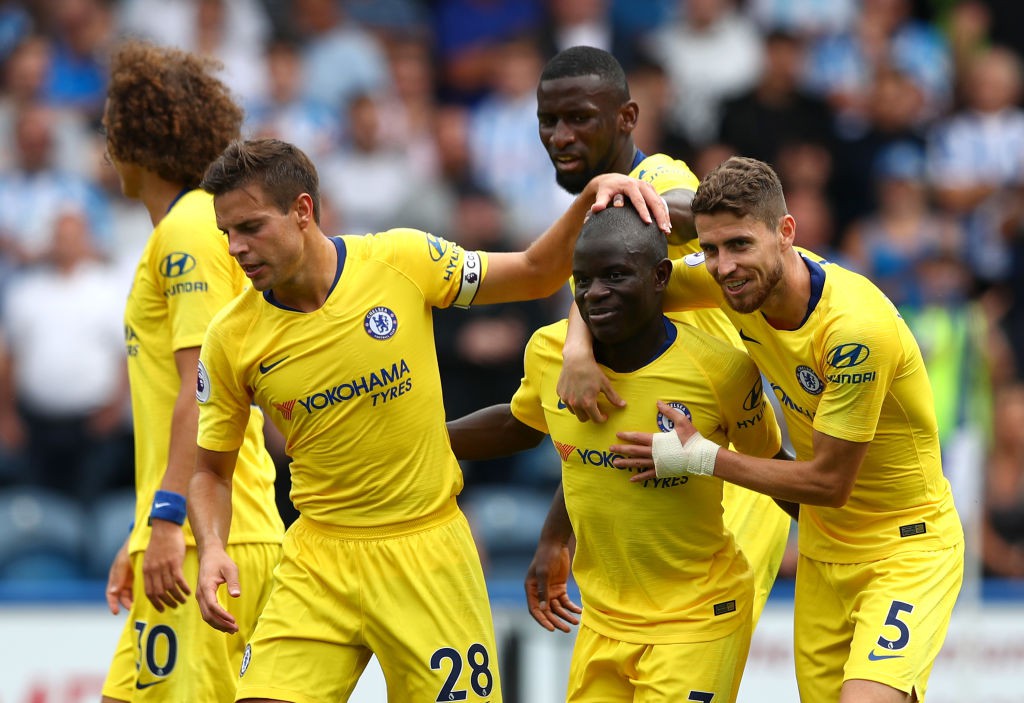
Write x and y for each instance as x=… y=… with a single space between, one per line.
x=163 y=577
x=494 y=432
x=826 y=479
x=545 y=265
x=209 y=511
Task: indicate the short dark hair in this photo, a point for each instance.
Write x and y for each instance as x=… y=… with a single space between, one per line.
x=167 y=112
x=588 y=61
x=281 y=169
x=742 y=186
x=624 y=224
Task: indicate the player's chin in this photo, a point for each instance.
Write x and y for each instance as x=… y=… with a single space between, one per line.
x=573 y=183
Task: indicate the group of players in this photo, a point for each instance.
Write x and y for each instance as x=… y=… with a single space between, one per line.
x=678 y=536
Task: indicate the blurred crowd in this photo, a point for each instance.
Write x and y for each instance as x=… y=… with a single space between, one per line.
x=896 y=126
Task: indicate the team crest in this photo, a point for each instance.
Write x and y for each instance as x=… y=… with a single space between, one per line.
x=246 y=657
x=380 y=323
x=202 y=384
x=809 y=380
x=665 y=424
x=694 y=259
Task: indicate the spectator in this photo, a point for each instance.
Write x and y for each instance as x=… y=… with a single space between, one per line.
x=284 y=111
x=503 y=143
x=469 y=36
x=83 y=31
x=366 y=178
x=888 y=244
x=710 y=54
x=35 y=185
x=841 y=66
x=341 y=60
x=1003 y=536
x=65 y=396
x=894 y=106
x=777 y=111
x=976 y=159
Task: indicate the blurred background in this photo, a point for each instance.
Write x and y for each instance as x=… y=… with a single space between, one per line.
x=896 y=126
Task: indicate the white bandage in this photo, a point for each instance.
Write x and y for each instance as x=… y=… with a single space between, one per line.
x=673 y=458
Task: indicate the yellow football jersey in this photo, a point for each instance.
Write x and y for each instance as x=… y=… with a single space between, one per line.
x=853 y=371
x=653 y=560
x=353 y=386
x=185 y=276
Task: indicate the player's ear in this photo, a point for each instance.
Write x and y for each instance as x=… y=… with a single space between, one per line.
x=303 y=207
x=629 y=113
x=662 y=272
x=787 y=230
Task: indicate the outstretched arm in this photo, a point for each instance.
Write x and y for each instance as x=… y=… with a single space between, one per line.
x=546 y=264
x=491 y=433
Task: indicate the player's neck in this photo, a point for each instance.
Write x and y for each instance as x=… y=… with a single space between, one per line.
x=786 y=306
x=309 y=288
x=623 y=162
x=633 y=353
x=158 y=195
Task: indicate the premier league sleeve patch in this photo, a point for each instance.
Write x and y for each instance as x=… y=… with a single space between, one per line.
x=380 y=323
x=203 y=384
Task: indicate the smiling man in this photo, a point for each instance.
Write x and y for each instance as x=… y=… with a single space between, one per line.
x=881 y=545
x=335 y=342
x=661 y=578
x=585 y=121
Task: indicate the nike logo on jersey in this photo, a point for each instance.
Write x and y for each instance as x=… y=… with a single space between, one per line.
x=879 y=657
x=745 y=338
x=141 y=686
x=267 y=368
x=561 y=405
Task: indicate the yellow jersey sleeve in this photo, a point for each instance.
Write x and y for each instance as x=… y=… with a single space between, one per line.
x=665 y=173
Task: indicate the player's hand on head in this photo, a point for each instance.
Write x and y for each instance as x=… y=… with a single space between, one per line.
x=546 y=582
x=120 y=581
x=217 y=568
x=613 y=189
x=162 y=573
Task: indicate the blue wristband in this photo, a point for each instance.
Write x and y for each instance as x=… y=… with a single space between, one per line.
x=169 y=506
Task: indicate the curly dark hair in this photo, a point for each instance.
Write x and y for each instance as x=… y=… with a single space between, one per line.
x=167 y=112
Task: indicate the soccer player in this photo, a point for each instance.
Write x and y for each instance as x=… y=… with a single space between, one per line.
x=661 y=578
x=881 y=545
x=335 y=343
x=167 y=117
x=586 y=120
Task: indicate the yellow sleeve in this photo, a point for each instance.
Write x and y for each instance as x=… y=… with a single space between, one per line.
x=542 y=355
x=224 y=402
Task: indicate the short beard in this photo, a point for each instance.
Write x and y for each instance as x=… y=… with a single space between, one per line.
x=756 y=302
x=573 y=184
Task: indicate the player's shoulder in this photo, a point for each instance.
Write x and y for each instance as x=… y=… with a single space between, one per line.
x=708 y=351
x=238 y=315
x=663 y=170
x=191 y=223
x=550 y=336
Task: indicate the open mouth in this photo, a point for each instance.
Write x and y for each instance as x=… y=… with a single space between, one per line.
x=567 y=162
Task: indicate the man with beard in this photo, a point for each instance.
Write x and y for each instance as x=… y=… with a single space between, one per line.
x=660 y=576
x=881 y=545
x=586 y=120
